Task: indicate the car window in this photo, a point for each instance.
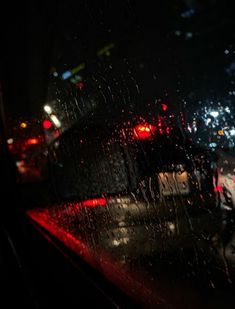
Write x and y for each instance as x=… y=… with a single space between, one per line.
x=138 y=134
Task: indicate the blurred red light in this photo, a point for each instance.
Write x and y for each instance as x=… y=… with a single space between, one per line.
x=164 y=107
x=144 y=131
x=32 y=141
x=10 y=147
x=95 y=202
x=47 y=124
x=80 y=85
x=218 y=189
x=168 y=129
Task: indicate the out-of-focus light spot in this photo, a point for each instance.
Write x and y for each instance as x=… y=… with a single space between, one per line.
x=56 y=133
x=232 y=132
x=105 y=50
x=189 y=128
x=188 y=13
x=23 y=125
x=47 y=109
x=78 y=68
x=171 y=226
x=57 y=144
x=164 y=107
x=168 y=129
x=227 y=208
x=94 y=202
x=47 y=124
x=77 y=78
x=144 y=131
x=221 y=132
x=178 y=32
x=208 y=120
x=10 y=141
x=214 y=114
x=218 y=189
x=10 y=147
x=116 y=242
x=80 y=85
x=55 y=74
x=21 y=167
x=66 y=75
x=120 y=241
x=213 y=145
x=188 y=35
x=226 y=51
x=56 y=121
x=32 y=141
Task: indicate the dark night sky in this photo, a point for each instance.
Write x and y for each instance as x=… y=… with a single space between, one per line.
x=32 y=32
x=42 y=33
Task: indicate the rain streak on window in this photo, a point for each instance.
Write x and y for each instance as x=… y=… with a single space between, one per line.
x=140 y=146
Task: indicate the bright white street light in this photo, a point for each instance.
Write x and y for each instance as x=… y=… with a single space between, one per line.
x=47 y=109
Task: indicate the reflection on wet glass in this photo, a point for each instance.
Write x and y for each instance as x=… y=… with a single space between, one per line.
x=141 y=157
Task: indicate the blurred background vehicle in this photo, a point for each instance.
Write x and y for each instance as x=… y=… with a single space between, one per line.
x=126 y=172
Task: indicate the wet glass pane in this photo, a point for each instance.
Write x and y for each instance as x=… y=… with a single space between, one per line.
x=138 y=160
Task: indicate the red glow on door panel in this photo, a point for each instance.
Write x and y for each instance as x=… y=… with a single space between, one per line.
x=55 y=221
x=144 y=131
